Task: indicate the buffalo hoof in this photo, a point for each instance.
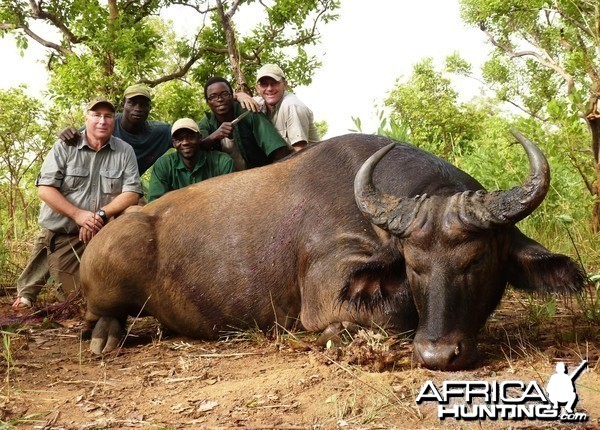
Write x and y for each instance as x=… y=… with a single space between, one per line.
x=333 y=333
x=106 y=335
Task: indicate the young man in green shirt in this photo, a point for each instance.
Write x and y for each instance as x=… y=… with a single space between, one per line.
x=255 y=137
x=189 y=164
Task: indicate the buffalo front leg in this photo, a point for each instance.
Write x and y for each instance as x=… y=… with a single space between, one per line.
x=106 y=335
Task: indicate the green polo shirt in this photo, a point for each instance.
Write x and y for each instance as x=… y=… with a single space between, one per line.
x=170 y=173
x=255 y=136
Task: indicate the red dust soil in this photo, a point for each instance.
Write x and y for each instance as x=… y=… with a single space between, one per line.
x=251 y=380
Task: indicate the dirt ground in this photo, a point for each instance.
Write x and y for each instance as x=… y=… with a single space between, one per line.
x=251 y=380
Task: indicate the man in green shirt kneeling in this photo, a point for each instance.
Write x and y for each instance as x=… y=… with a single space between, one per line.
x=189 y=165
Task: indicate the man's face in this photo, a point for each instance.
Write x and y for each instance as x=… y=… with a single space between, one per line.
x=136 y=109
x=270 y=90
x=219 y=98
x=100 y=122
x=186 y=142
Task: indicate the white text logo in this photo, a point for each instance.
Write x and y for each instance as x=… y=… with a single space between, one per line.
x=507 y=400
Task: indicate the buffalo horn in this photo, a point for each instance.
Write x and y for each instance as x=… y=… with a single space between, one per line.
x=488 y=209
x=388 y=212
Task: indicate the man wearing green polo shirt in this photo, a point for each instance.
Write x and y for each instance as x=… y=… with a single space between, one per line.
x=189 y=165
x=255 y=137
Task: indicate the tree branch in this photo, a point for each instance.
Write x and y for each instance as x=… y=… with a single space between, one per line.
x=196 y=8
x=43 y=15
x=61 y=49
x=587 y=183
x=232 y=48
x=234 y=7
x=176 y=75
x=140 y=11
x=521 y=108
x=183 y=69
x=516 y=54
x=583 y=28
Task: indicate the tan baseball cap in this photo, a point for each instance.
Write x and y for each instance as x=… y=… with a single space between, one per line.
x=137 y=90
x=272 y=71
x=187 y=123
x=100 y=101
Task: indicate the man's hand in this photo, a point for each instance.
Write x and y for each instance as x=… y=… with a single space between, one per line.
x=247 y=101
x=89 y=224
x=225 y=130
x=70 y=136
x=85 y=235
x=228 y=146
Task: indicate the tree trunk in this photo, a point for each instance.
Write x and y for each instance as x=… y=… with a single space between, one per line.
x=232 y=50
x=594 y=124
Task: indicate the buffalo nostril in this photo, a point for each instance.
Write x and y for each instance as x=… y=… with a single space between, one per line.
x=444 y=353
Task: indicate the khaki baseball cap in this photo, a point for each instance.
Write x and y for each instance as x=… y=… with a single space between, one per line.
x=272 y=71
x=100 y=101
x=187 y=123
x=137 y=90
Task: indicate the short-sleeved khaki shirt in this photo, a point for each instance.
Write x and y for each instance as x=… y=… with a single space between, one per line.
x=86 y=178
x=293 y=120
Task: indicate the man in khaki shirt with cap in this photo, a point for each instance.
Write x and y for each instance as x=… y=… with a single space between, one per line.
x=291 y=117
x=81 y=188
x=149 y=139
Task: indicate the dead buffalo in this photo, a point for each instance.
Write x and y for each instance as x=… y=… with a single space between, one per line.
x=358 y=229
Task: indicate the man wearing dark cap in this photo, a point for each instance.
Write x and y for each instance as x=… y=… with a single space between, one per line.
x=81 y=188
x=149 y=139
x=189 y=165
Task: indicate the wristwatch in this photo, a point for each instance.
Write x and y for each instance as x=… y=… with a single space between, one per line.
x=102 y=215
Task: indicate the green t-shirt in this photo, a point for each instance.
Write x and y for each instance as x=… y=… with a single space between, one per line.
x=153 y=142
x=255 y=136
x=170 y=173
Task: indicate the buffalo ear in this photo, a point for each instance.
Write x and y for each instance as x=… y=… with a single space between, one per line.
x=533 y=268
x=373 y=285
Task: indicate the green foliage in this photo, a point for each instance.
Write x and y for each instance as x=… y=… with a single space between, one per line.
x=547 y=63
x=539 y=311
x=26 y=135
x=177 y=99
x=589 y=301
x=322 y=128
x=388 y=127
x=457 y=65
x=27 y=131
x=93 y=49
x=428 y=108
